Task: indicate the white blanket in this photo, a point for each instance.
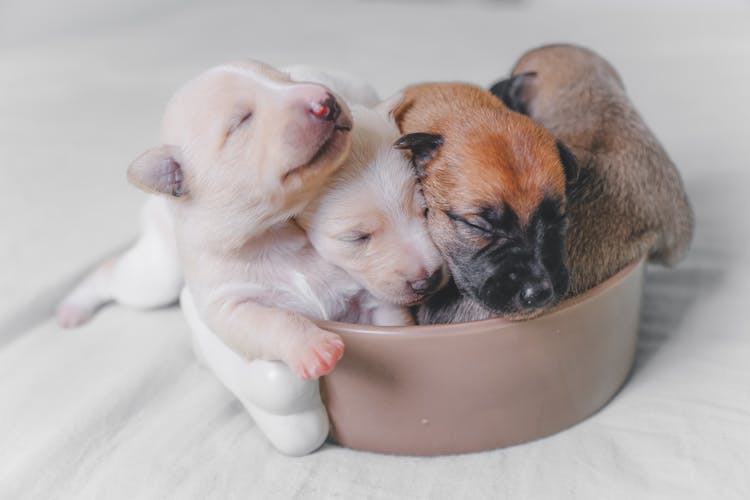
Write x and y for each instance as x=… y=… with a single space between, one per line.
x=120 y=409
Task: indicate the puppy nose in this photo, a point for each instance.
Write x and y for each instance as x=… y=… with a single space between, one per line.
x=427 y=285
x=327 y=109
x=537 y=294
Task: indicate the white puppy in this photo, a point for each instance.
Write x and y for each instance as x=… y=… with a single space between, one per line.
x=370 y=220
x=245 y=149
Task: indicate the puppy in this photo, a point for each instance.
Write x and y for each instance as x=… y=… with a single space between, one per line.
x=369 y=219
x=494 y=182
x=245 y=150
x=628 y=200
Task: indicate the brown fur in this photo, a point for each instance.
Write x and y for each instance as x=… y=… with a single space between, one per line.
x=491 y=153
x=490 y=157
x=629 y=200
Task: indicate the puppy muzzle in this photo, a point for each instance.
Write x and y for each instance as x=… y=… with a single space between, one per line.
x=519 y=291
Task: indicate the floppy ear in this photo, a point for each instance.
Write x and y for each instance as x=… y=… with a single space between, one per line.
x=158 y=171
x=510 y=91
x=424 y=147
x=569 y=162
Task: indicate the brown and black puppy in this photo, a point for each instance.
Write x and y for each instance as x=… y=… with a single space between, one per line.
x=494 y=182
x=628 y=201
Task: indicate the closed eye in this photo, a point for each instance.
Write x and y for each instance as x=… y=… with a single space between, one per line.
x=479 y=223
x=475 y=222
x=358 y=237
x=240 y=122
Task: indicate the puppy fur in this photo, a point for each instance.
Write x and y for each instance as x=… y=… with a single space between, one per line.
x=494 y=182
x=628 y=200
x=244 y=150
x=369 y=219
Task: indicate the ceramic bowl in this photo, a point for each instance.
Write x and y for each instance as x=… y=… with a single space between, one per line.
x=465 y=387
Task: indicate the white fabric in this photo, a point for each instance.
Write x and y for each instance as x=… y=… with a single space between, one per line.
x=120 y=409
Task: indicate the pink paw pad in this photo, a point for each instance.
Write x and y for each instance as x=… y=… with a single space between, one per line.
x=71 y=315
x=319 y=357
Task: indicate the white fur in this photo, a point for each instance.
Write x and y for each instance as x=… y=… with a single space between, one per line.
x=375 y=193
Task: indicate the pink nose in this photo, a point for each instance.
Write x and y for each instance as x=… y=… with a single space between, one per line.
x=327 y=109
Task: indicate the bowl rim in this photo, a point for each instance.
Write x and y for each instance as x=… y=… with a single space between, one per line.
x=480 y=325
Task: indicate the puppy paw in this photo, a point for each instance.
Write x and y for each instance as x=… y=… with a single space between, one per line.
x=319 y=356
x=70 y=315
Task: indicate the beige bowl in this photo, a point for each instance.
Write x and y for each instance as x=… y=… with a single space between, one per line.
x=434 y=390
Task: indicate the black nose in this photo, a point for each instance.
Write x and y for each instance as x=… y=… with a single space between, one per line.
x=328 y=109
x=537 y=294
x=429 y=284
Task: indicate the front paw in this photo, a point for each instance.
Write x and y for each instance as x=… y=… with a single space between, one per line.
x=319 y=356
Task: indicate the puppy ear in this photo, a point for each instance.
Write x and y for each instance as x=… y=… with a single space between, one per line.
x=424 y=148
x=510 y=91
x=569 y=162
x=158 y=171
x=388 y=106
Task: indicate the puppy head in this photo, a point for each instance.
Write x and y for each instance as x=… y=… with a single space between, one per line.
x=244 y=139
x=494 y=182
x=554 y=80
x=370 y=220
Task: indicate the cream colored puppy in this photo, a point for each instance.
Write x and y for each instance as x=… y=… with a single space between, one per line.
x=370 y=218
x=244 y=150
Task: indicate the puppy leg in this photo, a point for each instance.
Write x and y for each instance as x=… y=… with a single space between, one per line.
x=93 y=292
x=149 y=275
x=259 y=332
x=145 y=276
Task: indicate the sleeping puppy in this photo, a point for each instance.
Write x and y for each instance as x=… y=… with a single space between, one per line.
x=628 y=201
x=494 y=182
x=369 y=219
x=244 y=150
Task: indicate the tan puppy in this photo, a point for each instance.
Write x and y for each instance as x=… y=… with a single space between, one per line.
x=628 y=201
x=370 y=218
x=494 y=182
